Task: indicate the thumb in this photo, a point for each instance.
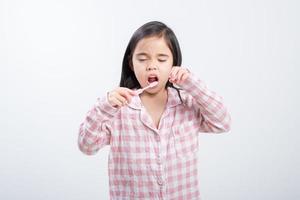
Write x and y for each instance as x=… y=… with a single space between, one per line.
x=132 y=92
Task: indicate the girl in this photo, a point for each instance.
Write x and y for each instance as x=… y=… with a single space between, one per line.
x=153 y=136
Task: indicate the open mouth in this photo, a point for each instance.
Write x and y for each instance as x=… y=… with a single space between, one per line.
x=152 y=79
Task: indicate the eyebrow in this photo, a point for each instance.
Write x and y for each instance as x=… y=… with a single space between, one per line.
x=145 y=54
x=141 y=54
x=162 y=55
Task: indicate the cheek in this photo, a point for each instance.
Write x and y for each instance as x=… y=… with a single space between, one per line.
x=137 y=66
x=166 y=69
x=138 y=71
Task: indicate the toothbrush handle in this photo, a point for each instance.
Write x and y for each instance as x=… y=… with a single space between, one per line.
x=139 y=91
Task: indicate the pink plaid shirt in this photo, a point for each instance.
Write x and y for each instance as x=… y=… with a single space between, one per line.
x=150 y=163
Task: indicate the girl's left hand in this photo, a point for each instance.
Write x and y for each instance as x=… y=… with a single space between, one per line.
x=178 y=75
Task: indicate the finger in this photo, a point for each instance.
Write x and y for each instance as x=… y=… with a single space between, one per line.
x=122 y=99
x=126 y=94
x=180 y=74
x=116 y=102
x=131 y=92
x=185 y=76
x=173 y=73
x=176 y=77
x=111 y=98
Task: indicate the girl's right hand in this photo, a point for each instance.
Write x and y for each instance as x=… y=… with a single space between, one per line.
x=120 y=96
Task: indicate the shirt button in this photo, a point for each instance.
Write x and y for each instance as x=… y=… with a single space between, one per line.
x=160 y=181
x=158 y=160
x=157 y=139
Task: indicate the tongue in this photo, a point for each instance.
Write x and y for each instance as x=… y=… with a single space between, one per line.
x=151 y=80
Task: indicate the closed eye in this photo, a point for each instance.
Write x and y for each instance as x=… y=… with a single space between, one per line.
x=160 y=60
x=142 y=60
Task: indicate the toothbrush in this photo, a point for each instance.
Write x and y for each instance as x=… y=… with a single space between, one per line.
x=152 y=84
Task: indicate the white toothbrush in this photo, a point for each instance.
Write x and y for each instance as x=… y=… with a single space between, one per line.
x=152 y=84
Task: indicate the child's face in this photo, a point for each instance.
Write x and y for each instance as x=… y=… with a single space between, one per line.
x=152 y=60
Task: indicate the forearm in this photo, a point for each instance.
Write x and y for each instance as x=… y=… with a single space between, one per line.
x=212 y=113
x=95 y=130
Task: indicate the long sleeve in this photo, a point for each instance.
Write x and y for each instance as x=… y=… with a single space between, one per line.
x=211 y=112
x=95 y=130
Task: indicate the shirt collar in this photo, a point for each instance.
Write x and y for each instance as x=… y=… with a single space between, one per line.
x=173 y=100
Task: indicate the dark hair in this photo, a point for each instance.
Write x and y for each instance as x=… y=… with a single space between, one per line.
x=153 y=28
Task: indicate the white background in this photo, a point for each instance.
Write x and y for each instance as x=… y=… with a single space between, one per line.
x=58 y=56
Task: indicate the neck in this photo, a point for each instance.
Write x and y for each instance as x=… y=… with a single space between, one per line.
x=160 y=96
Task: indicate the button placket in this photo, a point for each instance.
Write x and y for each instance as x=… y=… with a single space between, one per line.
x=160 y=180
x=158 y=160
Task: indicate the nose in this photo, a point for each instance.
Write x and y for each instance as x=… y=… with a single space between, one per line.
x=151 y=67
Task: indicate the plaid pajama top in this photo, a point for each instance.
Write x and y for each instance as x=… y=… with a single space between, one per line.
x=146 y=162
